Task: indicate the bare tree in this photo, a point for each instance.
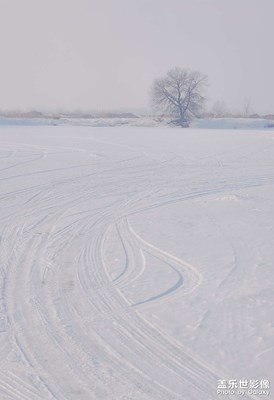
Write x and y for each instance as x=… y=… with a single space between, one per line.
x=218 y=109
x=179 y=94
x=247 y=107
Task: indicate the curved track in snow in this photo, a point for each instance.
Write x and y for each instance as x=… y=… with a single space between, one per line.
x=68 y=330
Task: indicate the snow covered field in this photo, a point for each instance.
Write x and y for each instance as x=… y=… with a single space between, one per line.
x=135 y=263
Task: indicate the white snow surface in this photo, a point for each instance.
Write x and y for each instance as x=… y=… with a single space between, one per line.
x=135 y=263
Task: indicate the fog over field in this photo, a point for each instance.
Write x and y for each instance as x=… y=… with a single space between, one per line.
x=136 y=200
x=93 y=54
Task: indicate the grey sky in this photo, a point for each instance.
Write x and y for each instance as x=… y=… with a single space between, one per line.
x=105 y=53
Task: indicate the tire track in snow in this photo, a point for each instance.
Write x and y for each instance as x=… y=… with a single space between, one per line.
x=85 y=334
x=135 y=259
x=188 y=277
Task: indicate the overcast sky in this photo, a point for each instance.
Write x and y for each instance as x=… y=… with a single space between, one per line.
x=104 y=54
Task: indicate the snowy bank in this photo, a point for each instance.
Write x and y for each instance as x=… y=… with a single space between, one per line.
x=233 y=123
x=145 y=122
